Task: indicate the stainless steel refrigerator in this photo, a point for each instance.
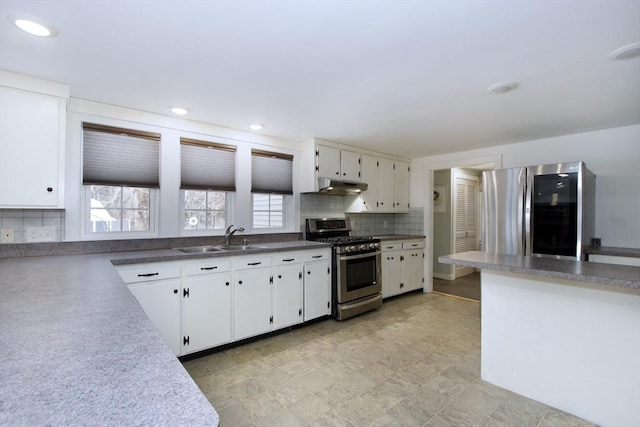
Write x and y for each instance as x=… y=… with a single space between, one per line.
x=545 y=210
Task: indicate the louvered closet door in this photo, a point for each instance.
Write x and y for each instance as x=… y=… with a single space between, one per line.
x=466 y=218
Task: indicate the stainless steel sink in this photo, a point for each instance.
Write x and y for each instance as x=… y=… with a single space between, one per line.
x=199 y=249
x=238 y=247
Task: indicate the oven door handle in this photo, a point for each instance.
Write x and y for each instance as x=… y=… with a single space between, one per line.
x=367 y=255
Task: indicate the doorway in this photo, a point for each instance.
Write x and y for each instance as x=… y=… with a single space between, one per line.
x=457 y=227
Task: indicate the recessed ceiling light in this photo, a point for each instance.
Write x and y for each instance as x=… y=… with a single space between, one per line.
x=256 y=127
x=32 y=25
x=501 y=87
x=179 y=111
x=625 y=52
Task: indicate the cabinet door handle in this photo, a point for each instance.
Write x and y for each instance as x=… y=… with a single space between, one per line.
x=49 y=189
x=239 y=282
x=185 y=340
x=148 y=274
x=254 y=263
x=289 y=259
x=227 y=284
x=175 y=291
x=208 y=268
x=300 y=312
x=316 y=256
x=185 y=292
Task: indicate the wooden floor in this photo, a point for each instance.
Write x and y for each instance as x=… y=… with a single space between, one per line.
x=464 y=287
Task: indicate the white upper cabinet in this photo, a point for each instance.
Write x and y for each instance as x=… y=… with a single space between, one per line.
x=32 y=135
x=349 y=166
x=386 y=183
x=369 y=198
x=401 y=204
x=342 y=165
x=388 y=186
x=327 y=162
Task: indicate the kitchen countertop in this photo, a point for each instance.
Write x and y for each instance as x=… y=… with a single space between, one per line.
x=77 y=349
x=613 y=251
x=605 y=274
x=384 y=237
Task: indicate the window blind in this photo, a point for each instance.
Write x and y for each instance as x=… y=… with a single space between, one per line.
x=207 y=165
x=271 y=172
x=117 y=156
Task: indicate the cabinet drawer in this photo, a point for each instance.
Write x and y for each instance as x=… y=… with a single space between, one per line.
x=248 y=262
x=149 y=272
x=313 y=256
x=287 y=258
x=214 y=265
x=390 y=246
x=413 y=244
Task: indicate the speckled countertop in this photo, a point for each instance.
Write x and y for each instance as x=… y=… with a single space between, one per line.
x=613 y=251
x=604 y=274
x=384 y=237
x=77 y=349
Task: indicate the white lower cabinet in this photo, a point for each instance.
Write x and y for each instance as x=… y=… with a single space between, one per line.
x=206 y=305
x=252 y=313
x=287 y=289
x=317 y=284
x=157 y=288
x=402 y=267
x=196 y=305
x=391 y=269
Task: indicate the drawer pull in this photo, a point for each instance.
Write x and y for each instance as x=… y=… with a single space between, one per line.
x=148 y=274
x=316 y=256
x=208 y=268
x=289 y=259
x=254 y=263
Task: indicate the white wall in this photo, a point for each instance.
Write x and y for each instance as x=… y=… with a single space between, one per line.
x=612 y=154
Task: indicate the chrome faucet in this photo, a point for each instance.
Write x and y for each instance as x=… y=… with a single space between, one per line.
x=228 y=233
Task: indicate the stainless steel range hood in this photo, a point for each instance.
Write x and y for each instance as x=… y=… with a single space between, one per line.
x=330 y=187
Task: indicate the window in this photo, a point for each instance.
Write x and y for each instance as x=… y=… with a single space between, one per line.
x=205 y=210
x=271 y=185
x=208 y=176
x=120 y=171
x=119 y=208
x=268 y=211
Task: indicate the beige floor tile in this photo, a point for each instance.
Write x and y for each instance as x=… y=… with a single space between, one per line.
x=290 y=393
x=234 y=416
x=245 y=389
x=331 y=419
x=557 y=418
x=459 y=415
x=360 y=411
x=335 y=395
x=309 y=409
x=516 y=410
x=260 y=406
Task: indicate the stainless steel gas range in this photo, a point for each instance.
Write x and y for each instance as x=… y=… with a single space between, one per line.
x=356 y=278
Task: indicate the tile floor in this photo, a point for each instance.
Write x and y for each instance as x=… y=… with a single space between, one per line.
x=414 y=362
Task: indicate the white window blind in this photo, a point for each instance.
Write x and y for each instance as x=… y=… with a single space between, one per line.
x=271 y=172
x=207 y=165
x=116 y=156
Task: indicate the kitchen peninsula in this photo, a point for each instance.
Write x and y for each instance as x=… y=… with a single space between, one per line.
x=562 y=332
x=77 y=348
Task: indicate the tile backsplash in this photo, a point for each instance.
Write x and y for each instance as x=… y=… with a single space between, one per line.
x=319 y=206
x=19 y=219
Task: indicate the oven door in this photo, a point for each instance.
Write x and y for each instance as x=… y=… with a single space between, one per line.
x=358 y=276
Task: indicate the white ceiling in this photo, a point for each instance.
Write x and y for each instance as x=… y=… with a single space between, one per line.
x=402 y=77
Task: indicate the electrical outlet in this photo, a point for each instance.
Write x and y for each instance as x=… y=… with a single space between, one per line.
x=41 y=234
x=6 y=235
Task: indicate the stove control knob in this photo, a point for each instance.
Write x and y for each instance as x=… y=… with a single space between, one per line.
x=352 y=248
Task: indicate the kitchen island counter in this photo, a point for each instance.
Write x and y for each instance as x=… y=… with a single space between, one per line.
x=604 y=274
x=77 y=349
x=565 y=333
